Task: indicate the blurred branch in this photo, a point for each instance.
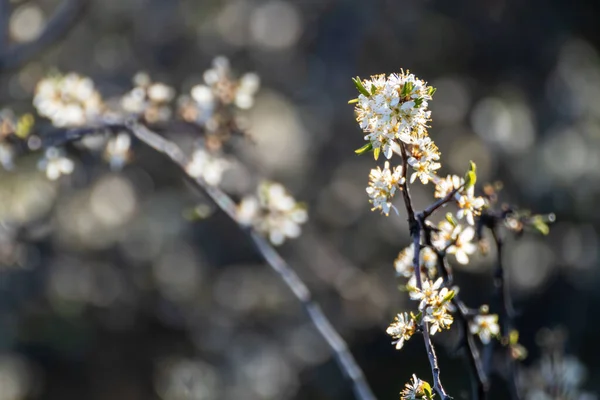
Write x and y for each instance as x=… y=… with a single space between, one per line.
x=342 y=354
x=63 y=19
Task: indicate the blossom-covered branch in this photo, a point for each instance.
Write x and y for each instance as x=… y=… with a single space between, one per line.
x=393 y=113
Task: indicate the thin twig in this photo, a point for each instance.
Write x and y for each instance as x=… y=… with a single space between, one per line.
x=432 y=208
x=344 y=358
x=63 y=19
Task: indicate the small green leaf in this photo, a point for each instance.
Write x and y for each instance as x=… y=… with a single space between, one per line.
x=376 y=152
x=471 y=176
x=367 y=147
x=431 y=90
x=407 y=89
x=540 y=225
x=418 y=102
x=373 y=89
x=360 y=87
x=353 y=101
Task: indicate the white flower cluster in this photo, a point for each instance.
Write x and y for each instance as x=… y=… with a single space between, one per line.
x=416 y=389
x=455 y=239
x=207 y=166
x=149 y=100
x=273 y=212
x=68 y=101
x=219 y=89
x=382 y=186
x=405 y=267
x=434 y=303
x=55 y=164
x=392 y=108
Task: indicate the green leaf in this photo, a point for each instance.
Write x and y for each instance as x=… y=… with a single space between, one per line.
x=431 y=90
x=353 y=101
x=373 y=89
x=360 y=87
x=367 y=147
x=418 y=102
x=376 y=152
x=407 y=89
x=540 y=225
x=471 y=176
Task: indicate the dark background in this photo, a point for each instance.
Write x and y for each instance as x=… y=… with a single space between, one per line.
x=114 y=294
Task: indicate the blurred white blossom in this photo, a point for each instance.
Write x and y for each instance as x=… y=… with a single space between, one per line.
x=55 y=164
x=118 y=150
x=273 y=212
x=68 y=101
x=149 y=100
x=207 y=166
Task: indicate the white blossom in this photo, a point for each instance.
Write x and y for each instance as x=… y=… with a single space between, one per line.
x=55 y=164
x=382 y=186
x=470 y=206
x=207 y=166
x=444 y=186
x=401 y=329
x=68 y=101
x=485 y=326
x=273 y=212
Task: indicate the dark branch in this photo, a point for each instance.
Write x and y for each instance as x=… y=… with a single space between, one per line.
x=60 y=23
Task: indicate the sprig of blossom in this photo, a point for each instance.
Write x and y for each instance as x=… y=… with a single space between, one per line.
x=434 y=302
x=423 y=158
x=211 y=103
x=485 y=326
x=389 y=108
x=207 y=166
x=55 y=163
x=383 y=183
x=149 y=100
x=404 y=262
x=402 y=329
x=68 y=101
x=273 y=212
x=416 y=389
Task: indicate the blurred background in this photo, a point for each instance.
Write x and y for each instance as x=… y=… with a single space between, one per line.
x=107 y=291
